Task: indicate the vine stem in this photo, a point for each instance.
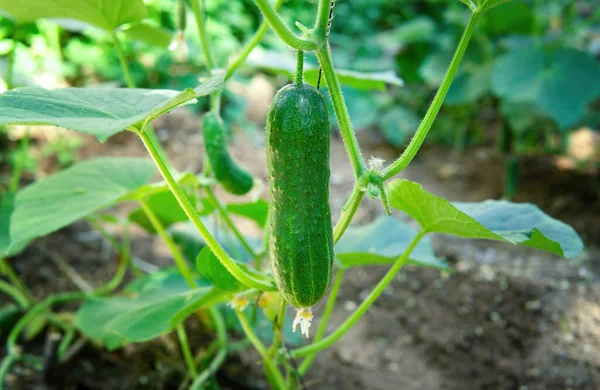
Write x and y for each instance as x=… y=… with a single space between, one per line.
x=252 y=43
x=415 y=144
x=269 y=365
x=192 y=214
x=14 y=292
x=213 y=199
x=10 y=64
x=187 y=352
x=341 y=111
x=299 y=68
x=348 y=213
x=199 y=13
x=325 y=319
x=18 y=169
x=283 y=31
x=123 y=62
x=177 y=256
x=364 y=306
x=7 y=270
x=278 y=326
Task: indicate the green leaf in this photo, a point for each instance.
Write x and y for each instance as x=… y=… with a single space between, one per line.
x=399 y=124
x=515 y=18
x=257 y=211
x=7 y=201
x=106 y=14
x=149 y=33
x=55 y=202
x=522 y=224
x=102 y=112
x=418 y=29
x=149 y=306
x=517 y=75
x=383 y=241
x=210 y=268
x=566 y=89
x=489 y=4
x=470 y=86
x=280 y=63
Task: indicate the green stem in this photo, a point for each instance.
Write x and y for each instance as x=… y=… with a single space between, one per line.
x=7 y=270
x=282 y=30
x=252 y=43
x=322 y=20
x=18 y=170
x=192 y=214
x=415 y=144
x=326 y=315
x=269 y=365
x=213 y=199
x=175 y=252
x=125 y=260
x=15 y=294
x=124 y=67
x=212 y=368
x=348 y=213
x=5 y=367
x=187 y=352
x=299 y=68
x=341 y=111
x=278 y=327
x=364 y=306
x=200 y=15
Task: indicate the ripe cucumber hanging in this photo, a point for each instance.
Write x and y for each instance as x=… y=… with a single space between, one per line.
x=297 y=142
x=228 y=173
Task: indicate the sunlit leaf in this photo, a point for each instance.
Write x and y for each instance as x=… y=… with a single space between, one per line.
x=257 y=211
x=210 y=268
x=149 y=33
x=383 y=241
x=516 y=223
x=102 y=112
x=106 y=14
x=55 y=202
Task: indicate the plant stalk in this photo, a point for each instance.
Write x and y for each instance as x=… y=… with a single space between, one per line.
x=282 y=30
x=186 y=351
x=200 y=14
x=415 y=144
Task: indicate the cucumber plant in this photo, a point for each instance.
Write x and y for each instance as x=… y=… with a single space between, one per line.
x=298 y=236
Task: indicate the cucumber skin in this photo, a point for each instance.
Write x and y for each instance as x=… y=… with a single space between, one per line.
x=229 y=174
x=301 y=243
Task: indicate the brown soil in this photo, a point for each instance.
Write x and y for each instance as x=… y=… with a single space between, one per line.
x=509 y=318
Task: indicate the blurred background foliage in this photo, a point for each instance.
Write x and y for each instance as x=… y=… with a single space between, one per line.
x=530 y=77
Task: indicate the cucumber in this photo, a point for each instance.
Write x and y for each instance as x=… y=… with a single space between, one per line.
x=301 y=243
x=228 y=173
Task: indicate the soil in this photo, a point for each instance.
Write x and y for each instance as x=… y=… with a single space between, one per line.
x=508 y=318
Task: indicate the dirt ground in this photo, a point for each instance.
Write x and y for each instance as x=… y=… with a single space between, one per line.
x=509 y=318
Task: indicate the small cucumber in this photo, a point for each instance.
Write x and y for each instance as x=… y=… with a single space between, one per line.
x=301 y=244
x=228 y=173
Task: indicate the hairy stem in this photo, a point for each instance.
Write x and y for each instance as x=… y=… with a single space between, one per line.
x=192 y=214
x=282 y=30
x=364 y=306
x=341 y=111
x=415 y=144
x=299 y=68
x=269 y=365
x=348 y=213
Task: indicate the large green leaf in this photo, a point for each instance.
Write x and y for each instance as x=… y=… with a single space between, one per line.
x=150 y=306
x=7 y=201
x=54 y=202
x=149 y=33
x=102 y=112
x=470 y=86
x=106 y=14
x=280 y=63
x=567 y=89
x=382 y=242
x=522 y=224
x=209 y=266
x=517 y=75
x=399 y=124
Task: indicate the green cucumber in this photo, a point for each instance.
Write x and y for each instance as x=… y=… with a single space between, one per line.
x=301 y=244
x=228 y=173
